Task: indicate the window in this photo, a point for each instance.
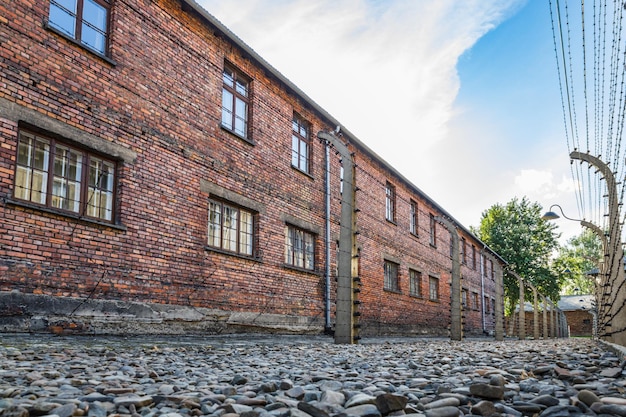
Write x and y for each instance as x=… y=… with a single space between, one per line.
x=463 y=251
x=235 y=101
x=413 y=221
x=415 y=283
x=475 y=301
x=391 y=276
x=433 y=288
x=464 y=297
x=86 y=21
x=231 y=228
x=433 y=231
x=390 y=202
x=55 y=175
x=299 y=248
x=493 y=306
x=473 y=257
x=487 y=305
x=300 y=144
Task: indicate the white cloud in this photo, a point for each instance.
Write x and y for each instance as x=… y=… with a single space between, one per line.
x=532 y=181
x=384 y=69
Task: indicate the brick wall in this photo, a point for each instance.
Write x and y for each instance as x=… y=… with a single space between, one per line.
x=580 y=323
x=155 y=107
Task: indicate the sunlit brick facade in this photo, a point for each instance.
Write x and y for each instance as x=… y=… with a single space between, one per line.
x=148 y=156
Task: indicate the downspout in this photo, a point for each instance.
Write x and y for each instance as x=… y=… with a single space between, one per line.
x=327 y=324
x=482 y=288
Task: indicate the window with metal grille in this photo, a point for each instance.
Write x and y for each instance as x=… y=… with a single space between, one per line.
x=231 y=228
x=413 y=224
x=415 y=283
x=57 y=175
x=433 y=288
x=391 y=276
x=299 y=248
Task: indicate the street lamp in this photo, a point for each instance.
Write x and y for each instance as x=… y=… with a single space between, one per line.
x=551 y=215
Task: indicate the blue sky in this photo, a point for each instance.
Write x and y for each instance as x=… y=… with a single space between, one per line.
x=461 y=96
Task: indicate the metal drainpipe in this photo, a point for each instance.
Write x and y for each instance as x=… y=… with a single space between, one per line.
x=482 y=288
x=327 y=324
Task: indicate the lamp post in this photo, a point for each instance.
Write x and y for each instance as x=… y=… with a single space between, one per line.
x=551 y=215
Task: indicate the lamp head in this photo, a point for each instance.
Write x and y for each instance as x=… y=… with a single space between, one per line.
x=550 y=215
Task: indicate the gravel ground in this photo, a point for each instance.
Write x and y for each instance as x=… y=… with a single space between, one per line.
x=306 y=376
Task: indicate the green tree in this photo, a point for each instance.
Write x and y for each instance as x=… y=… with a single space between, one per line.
x=516 y=232
x=580 y=255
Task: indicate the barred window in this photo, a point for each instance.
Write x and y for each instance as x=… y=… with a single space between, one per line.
x=86 y=21
x=231 y=228
x=433 y=288
x=59 y=176
x=463 y=251
x=415 y=283
x=299 y=248
x=413 y=225
x=433 y=231
x=391 y=276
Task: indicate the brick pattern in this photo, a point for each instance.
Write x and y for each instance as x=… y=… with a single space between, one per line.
x=161 y=97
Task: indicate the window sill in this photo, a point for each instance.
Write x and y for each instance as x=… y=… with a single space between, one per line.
x=392 y=291
x=419 y=297
x=238 y=136
x=302 y=172
x=415 y=235
x=308 y=271
x=48 y=210
x=391 y=221
x=434 y=301
x=79 y=44
x=234 y=254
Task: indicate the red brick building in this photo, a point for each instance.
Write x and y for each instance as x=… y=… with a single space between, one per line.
x=157 y=175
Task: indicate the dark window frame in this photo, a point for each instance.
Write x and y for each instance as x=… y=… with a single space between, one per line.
x=62 y=182
x=252 y=233
x=240 y=82
x=475 y=300
x=391 y=276
x=414 y=219
x=390 y=202
x=308 y=256
x=79 y=21
x=415 y=283
x=433 y=288
x=463 y=251
x=473 y=257
x=433 y=231
x=299 y=124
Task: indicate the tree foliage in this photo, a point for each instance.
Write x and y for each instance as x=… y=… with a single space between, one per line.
x=516 y=232
x=576 y=259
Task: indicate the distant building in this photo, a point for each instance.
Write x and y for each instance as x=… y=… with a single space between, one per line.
x=579 y=311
